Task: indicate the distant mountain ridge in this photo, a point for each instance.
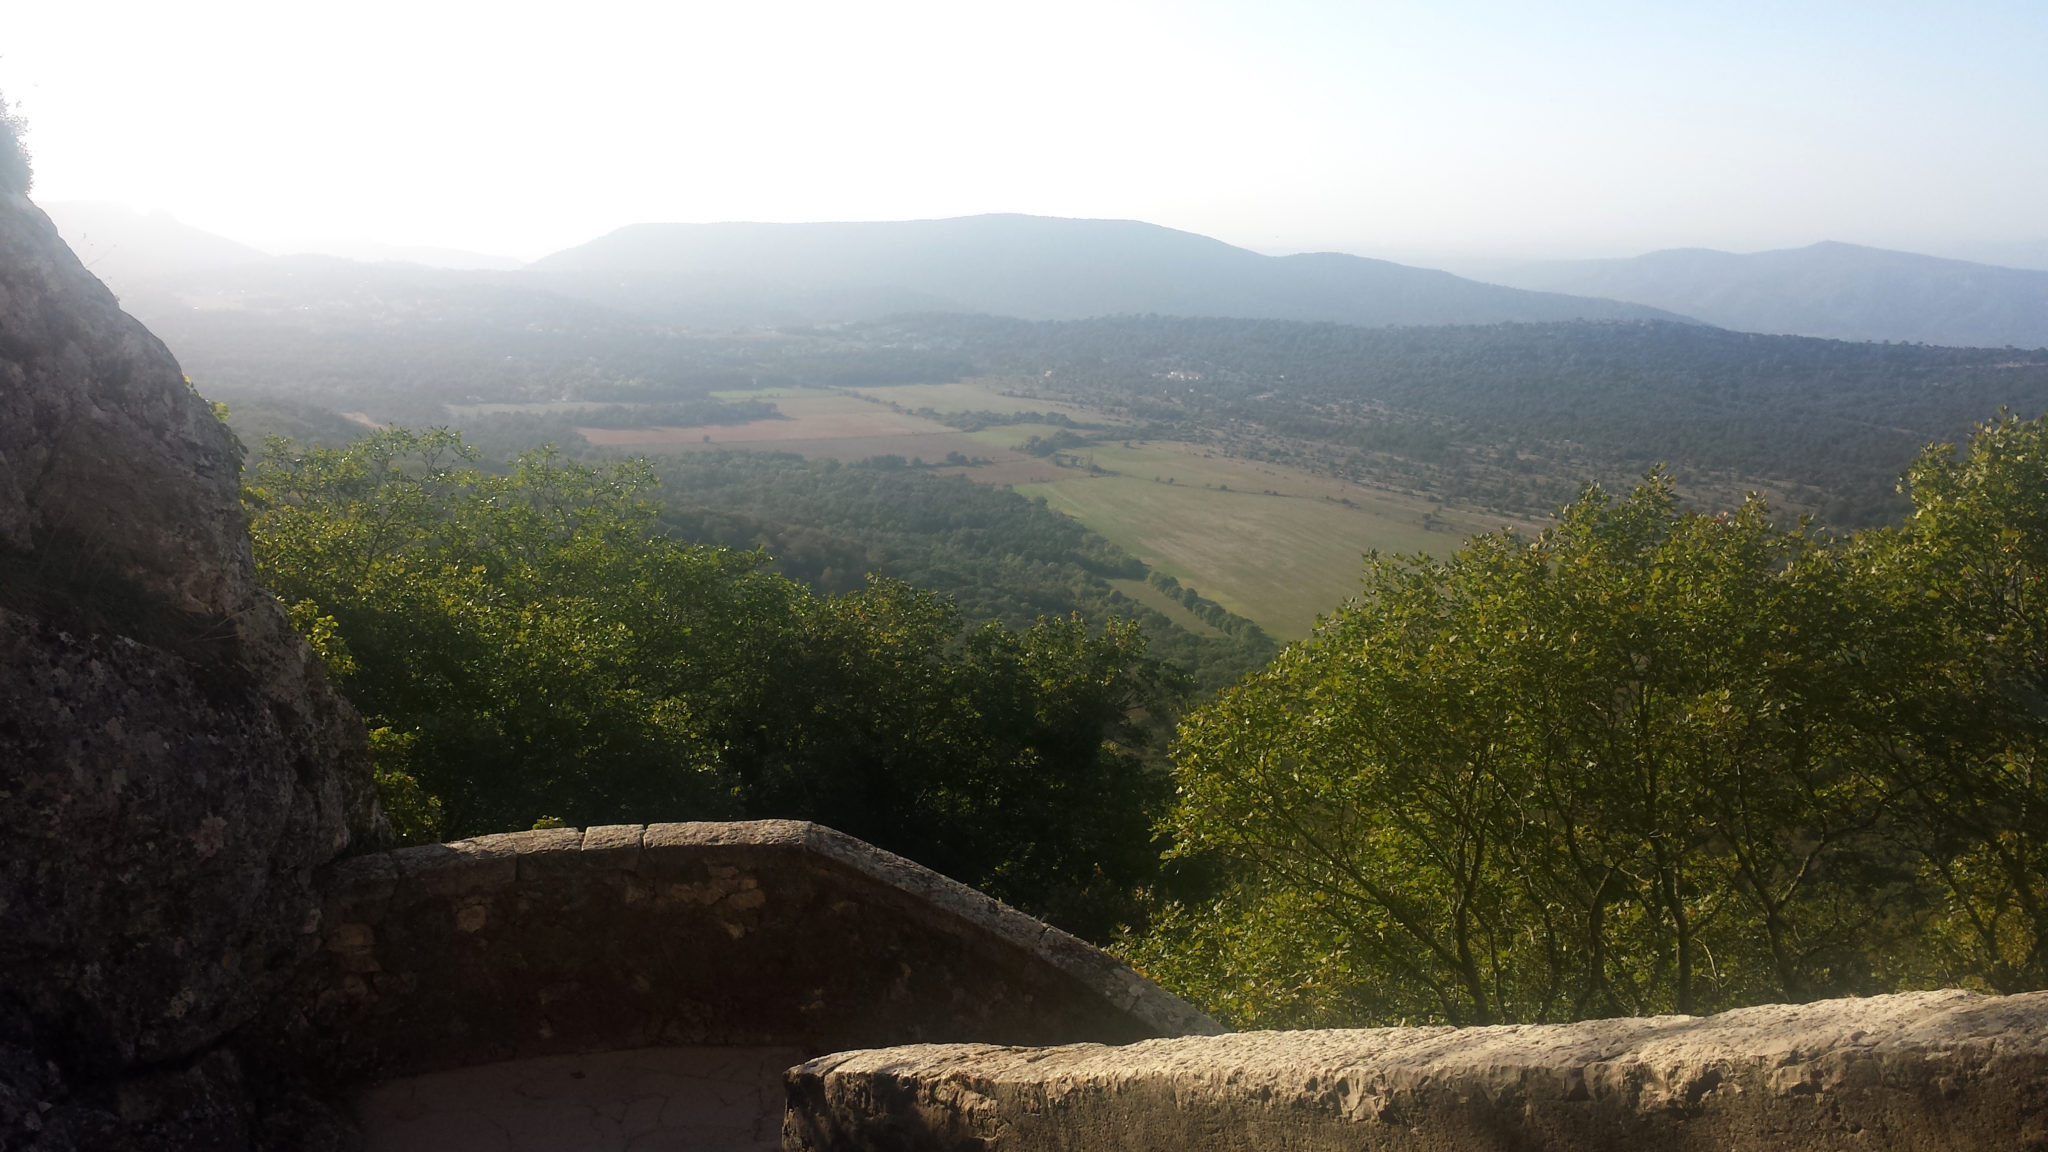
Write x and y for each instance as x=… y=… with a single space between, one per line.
x=121 y=245
x=1841 y=291
x=1031 y=267
x=1054 y=268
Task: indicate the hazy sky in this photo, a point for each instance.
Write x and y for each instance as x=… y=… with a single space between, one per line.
x=1517 y=128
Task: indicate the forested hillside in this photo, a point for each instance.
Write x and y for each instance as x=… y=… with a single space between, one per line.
x=1460 y=429
x=995 y=554
x=1509 y=417
x=1843 y=291
x=1518 y=416
x=529 y=648
x=1037 y=267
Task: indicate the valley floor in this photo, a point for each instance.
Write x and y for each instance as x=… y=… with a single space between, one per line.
x=1279 y=545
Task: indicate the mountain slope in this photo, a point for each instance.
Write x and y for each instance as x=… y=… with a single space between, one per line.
x=1842 y=291
x=1033 y=267
x=2031 y=254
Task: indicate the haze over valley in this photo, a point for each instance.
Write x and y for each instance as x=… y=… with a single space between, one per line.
x=1380 y=406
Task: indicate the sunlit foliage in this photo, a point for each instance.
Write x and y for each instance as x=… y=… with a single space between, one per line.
x=16 y=174
x=1651 y=761
x=530 y=646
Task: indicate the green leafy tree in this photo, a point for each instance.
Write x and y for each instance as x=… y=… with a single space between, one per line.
x=517 y=629
x=16 y=175
x=1612 y=770
x=531 y=647
x=1970 y=569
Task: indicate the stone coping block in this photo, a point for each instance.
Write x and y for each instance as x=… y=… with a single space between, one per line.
x=766 y=933
x=1918 y=1072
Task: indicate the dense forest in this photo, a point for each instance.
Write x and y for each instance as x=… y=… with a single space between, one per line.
x=530 y=648
x=1508 y=418
x=1516 y=416
x=1652 y=760
x=996 y=555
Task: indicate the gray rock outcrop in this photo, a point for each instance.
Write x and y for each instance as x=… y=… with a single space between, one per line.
x=173 y=763
x=1919 y=1072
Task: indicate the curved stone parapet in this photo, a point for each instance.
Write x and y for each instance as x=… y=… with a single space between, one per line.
x=1920 y=1072
x=757 y=934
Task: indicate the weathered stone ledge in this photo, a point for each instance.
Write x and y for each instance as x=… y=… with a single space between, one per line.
x=756 y=934
x=1919 y=1072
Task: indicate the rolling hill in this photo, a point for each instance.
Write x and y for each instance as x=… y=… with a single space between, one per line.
x=1031 y=267
x=1841 y=291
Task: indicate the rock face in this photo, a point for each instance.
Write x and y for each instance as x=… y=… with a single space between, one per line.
x=1920 y=1072
x=173 y=764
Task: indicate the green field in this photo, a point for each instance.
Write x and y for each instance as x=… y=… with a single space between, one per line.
x=795 y=392
x=1272 y=543
x=1267 y=542
x=971 y=396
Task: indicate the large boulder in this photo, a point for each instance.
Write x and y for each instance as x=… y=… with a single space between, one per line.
x=1920 y=1072
x=173 y=764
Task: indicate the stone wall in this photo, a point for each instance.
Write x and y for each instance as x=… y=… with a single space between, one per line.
x=1921 y=1072
x=759 y=934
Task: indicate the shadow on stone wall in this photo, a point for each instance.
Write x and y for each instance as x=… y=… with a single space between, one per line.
x=759 y=934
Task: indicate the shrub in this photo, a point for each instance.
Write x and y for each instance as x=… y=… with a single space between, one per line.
x=15 y=173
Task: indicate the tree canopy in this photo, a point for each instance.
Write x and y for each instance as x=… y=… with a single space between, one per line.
x=527 y=645
x=1653 y=760
x=15 y=173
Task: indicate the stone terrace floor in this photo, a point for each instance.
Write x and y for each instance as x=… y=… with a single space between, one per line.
x=646 y=1100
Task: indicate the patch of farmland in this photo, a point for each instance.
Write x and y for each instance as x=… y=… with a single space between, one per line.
x=534 y=407
x=975 y=395
x=1268 y=542
x=821 y=423
x=1272 y=543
